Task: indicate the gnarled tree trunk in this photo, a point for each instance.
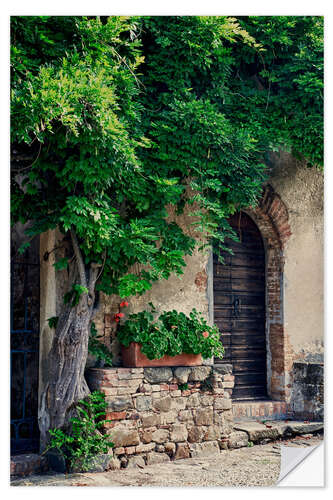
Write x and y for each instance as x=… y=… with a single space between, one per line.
x=67 y=359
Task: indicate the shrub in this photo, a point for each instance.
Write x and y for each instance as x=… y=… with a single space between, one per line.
x=84 y=441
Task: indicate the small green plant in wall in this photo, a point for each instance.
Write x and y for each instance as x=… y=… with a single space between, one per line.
x=84 y=441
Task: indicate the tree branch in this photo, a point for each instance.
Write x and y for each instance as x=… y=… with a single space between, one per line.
x=79 y=259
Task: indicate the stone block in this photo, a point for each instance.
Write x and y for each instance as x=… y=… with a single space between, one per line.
x=170 y=448
x=185 y=415
x=157 y=458
x=114 y=464
x=143 y=403
x=195 y=434
x=257 y=432
x=178 y=432
x=143 y=448
x=228 y=385
x=163 y=403
x=182 y=373
x=206 y=400
x=150 y=420
x=204 y=449
x=146 y=435
x=223 y=369
x=123 y=436
x=178 y=403
x=193 y=400
x=199 y=373
x=203 y=416
x=222 y=404
x=119 y=451
x=134 y=462
x=182 y=451
x=238 y=439
x=175 y=394
x=160 y=436
x=130 y=450
x=168 y=417
x=211 y=433
x=158 y=374
x=119 y=403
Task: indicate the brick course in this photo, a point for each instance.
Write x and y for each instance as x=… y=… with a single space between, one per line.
x=271 y=217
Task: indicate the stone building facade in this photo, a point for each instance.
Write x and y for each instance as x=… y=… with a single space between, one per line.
x=290 y=220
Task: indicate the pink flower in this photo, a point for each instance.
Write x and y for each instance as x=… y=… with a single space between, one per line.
x=205 y=334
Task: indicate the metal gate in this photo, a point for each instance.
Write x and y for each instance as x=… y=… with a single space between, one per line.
x=239 y=308
x=24 y=349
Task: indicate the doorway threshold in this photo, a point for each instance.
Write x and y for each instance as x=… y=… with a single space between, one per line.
x=255 y=409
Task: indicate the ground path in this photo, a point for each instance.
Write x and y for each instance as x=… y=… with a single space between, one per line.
x=255 y=466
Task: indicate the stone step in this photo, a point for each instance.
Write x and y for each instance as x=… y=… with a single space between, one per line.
x=273 y=429
x=254 y=410
x=26 y=464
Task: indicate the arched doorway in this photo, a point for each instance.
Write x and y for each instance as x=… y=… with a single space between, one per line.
x=239 y=308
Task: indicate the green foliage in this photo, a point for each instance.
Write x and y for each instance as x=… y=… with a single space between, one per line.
x=84 y=441
x=171 y=333
x=73 y=296
x=121 y=117
x=183 y=387
x=61 y=264
x=97 y=349
x=53 y=321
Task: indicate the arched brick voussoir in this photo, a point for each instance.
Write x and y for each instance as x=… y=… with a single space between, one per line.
x=274 y=217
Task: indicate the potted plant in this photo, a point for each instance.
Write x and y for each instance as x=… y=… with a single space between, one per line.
x=172 y=339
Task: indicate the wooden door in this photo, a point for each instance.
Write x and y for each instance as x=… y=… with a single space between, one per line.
x=239 y=308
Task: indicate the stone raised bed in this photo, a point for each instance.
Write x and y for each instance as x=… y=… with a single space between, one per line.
x=165 y=413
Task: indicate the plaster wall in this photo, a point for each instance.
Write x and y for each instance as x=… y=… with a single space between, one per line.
x=302 y=191
x=183 y=293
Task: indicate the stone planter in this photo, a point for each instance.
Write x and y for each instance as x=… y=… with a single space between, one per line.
x=134 y=358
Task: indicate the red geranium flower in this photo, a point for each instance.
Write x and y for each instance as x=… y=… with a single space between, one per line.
x=118 y=316
x=123 y=304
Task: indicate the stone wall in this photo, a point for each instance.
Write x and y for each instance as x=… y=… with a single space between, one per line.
x=158 y=414
x=308 y=391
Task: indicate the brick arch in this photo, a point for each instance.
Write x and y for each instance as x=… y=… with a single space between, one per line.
x=271 y=217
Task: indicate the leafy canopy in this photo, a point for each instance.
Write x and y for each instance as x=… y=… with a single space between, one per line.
x=114 y=119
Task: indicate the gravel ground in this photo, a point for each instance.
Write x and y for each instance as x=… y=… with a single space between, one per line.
x=255 y=466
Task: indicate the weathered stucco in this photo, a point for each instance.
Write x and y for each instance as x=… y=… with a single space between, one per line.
x=301 y=189
x=183 y=293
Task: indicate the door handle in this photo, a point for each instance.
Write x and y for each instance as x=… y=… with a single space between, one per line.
x=236 y=310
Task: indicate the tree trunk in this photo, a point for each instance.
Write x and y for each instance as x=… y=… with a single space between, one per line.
x=67 y=359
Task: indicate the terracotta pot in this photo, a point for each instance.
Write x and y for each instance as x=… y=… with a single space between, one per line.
x=134 y=358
